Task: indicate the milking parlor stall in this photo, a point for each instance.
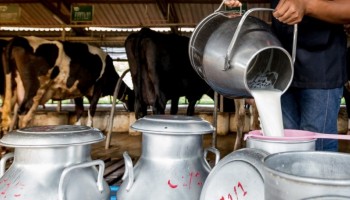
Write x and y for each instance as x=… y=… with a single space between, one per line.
x=113 y=153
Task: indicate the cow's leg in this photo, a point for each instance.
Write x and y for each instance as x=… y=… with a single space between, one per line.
x=30 y=103
x=89 y=120
x=155 y=96
x=240 y=119
x=92 y=109
x=143 y=110
x=31 y=82
x=192 y=100
x=190 y=107
x=174 y=105
x=138 y=112
x=158 y=109
x=140 y=109
x=6 y=107
x=79 y=109
x=159 y=104
x=14 y=118
x=26 y=112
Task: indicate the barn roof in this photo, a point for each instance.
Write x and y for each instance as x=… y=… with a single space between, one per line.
x=118 y=17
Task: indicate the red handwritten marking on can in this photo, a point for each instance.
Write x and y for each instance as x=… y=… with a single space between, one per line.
x=236 y=192
x=189 y=183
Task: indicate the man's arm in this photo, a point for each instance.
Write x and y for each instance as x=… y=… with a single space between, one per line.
x=333 y=11
x=293 y=11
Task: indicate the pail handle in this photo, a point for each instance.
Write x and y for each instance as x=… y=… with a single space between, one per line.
x=3 y=162
x=222 y=3
x=292 y=134
x=213 y=150
x=235 y=36
x=129 y=171
x=101 y=169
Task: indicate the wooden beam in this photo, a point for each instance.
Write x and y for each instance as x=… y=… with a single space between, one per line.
x=52 y=8
x=168 y=12
x=66 y=4
x=65 y=19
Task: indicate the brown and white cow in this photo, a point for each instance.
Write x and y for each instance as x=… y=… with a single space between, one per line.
x=43 y=70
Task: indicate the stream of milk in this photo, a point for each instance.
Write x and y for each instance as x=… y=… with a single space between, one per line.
x=268 y=102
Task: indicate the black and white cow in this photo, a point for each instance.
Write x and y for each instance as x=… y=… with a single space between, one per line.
x=43 y=70
x=161 y=71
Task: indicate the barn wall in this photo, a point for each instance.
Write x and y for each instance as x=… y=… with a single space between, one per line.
x=123 y=120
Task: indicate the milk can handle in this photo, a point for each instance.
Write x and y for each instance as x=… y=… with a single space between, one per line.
x=213 y=150
x=101 y=169
x=129 y=171
x=3 y=162
x=238 y=29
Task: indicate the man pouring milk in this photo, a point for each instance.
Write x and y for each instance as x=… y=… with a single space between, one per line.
x=312 y=101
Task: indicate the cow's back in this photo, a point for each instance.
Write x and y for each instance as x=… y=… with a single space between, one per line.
x=86 y=65
x=176 y=74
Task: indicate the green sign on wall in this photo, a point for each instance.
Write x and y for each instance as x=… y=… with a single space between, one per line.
x=82 y=13
x=10 y=13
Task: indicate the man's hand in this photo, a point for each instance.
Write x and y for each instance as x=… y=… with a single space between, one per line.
x=290 y=11
x=233 y=3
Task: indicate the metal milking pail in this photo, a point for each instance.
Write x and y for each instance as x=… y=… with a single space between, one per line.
x=307 y=175
x=280 y=144
x=235 y=54
x=172 y=164
x=53 y=163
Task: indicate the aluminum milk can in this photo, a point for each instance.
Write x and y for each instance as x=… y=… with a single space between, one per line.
x=172 y=164
x=307 y=175
x=53 y=163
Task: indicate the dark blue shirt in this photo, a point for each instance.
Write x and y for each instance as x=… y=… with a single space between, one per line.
x=321 y=52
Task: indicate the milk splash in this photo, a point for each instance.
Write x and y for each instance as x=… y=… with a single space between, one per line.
x=268 y=102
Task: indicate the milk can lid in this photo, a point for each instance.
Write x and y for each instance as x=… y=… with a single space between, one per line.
x=172 y=124
x=52 y=136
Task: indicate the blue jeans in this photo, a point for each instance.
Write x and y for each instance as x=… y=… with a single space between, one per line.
x=314 y=110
